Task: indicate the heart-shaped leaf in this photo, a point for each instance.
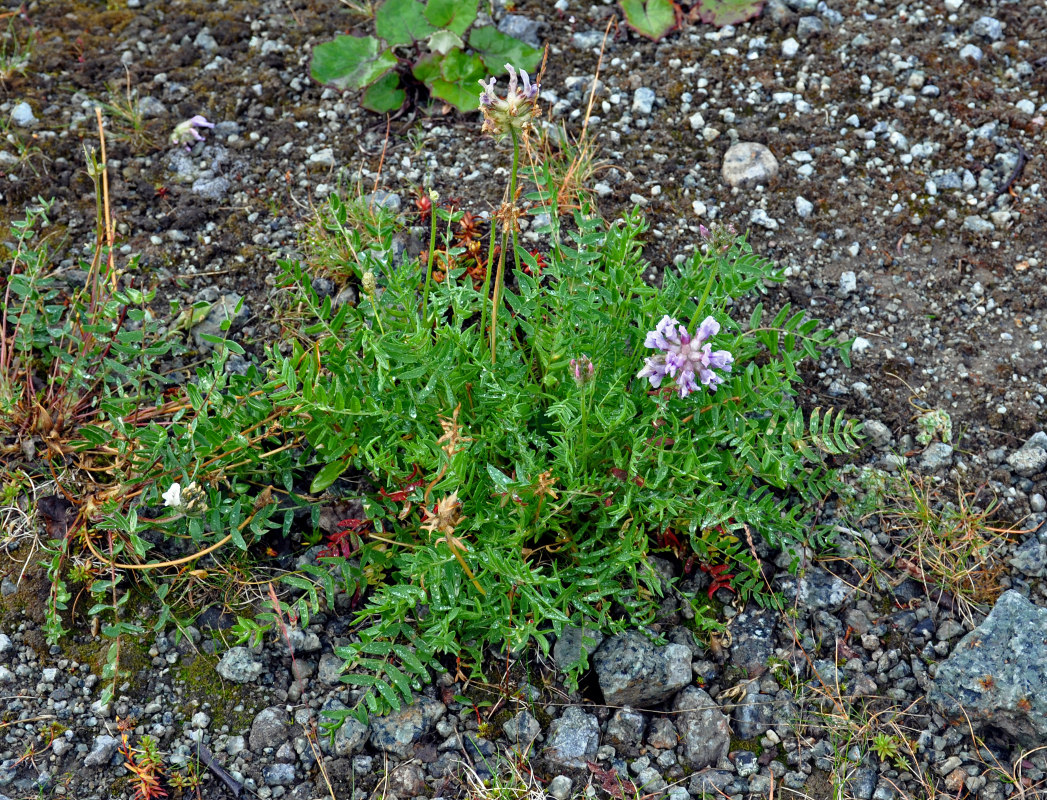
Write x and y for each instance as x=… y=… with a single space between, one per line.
x=650 y=18
x=460 y=95
x=427 y=68
x=384 y=95
x=453 y=15
x=402 y=22
x=457 y=66
x=496 y=49
x=728 y=12
x=351 y=62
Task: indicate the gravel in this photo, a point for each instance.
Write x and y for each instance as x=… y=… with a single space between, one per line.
x=882 y=188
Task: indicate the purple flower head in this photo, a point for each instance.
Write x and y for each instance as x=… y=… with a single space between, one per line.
x=186 y=133
x=687 y=360
x=518 y=108
x=582 y=370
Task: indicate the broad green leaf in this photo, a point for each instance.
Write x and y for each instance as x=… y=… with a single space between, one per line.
x=452 y=15
x=728 y=12
x=401 y=22
x=458 y=67
x=496 y=49
x=650 y=18
x=427 y=68
x=443 y=42
x=464 y=98
x=328 y=475
x=351 y=62
x=384 y=95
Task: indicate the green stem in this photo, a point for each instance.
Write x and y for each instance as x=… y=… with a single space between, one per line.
x=429 y=265
x=507 y=226
x=705 y=294
x=583 y=398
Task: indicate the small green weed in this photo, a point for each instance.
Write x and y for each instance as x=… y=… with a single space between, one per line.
x=421 y=44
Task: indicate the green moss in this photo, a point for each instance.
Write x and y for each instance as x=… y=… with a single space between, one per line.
x=201 y=683
x=752 y=745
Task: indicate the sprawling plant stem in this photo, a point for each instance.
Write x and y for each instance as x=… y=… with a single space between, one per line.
x=508 y=225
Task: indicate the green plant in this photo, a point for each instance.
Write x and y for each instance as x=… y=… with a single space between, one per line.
x=129 y=124
x=727 y=12
x=934 y=423
x=424 y=43
x=650 y=18
x=16 y=50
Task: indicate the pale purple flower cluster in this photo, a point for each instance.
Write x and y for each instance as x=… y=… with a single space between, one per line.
x=684 y=358
x=582 y=370
x=514 y=112
x=186 y=133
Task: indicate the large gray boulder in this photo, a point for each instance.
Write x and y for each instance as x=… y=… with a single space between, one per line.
x=997 y=675
x=633 y=671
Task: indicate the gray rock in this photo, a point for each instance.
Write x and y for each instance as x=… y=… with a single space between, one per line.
x=399 y=731
x=560 y=787
x=1030 y=558
x=568 y=648
x=809 y=27
x=407 y=780
x=1028 y=461
x=390 y=201
x=633 y=671
x=862 y=783
x=848 y=283
x=573 y=739
x=330 y=668
x=225 y=308
x=520 y=27
x=6 y=676
x=22 y=115
x=587 y=40
x=710 y=783
x=214 y=188
x=938 y=455
x=760 y=217
x=238 y=665
x=5 y=644
x=278 y=775
x=522 y=729
x=8 y=587
x=102 y=751
x=350 y=736
x=988 y=27
x=643 y=101
x=815 y=590
x=748 y=164
x=753 y=714
x=752 y=641
x=625 y=730
x=704 y=732
x=879 y=435
x=971 y=51
x=323 y=158
x=662 y=734
x=997 y=675
x=804 y=207
x=271 y=728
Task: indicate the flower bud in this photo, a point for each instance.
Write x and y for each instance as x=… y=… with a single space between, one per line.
x=582 y=370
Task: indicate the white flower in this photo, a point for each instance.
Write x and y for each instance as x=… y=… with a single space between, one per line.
x=173 y=496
